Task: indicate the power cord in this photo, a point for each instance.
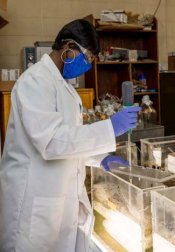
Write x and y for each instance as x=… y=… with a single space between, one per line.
x=157 y=7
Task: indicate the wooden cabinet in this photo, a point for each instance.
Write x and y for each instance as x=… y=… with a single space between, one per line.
x=86 y=94
x=171 y=63
x=87 y=97
x=5 y=104
x=107 y=76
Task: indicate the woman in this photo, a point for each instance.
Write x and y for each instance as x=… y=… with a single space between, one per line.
x=44 y=205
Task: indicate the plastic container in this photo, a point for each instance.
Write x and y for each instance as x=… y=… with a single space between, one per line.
x=120 y=16
x=154 y=151
x=122 y=209
x=107 y=15
x=163 y=211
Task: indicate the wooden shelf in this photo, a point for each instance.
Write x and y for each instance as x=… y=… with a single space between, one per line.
x=146 y=93
x=108 y=76
x=127 y=62
x=122 y=27
x=112 y=63
x=149 y=61
x=125 y=30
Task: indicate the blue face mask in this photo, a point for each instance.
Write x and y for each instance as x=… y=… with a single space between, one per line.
x=76 y=67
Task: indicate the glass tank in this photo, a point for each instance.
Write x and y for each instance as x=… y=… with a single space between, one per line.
x=122 y=150
x=154 y=151
x=142 y=172
x=171 y=162
x=122 y=210
x=163 y=211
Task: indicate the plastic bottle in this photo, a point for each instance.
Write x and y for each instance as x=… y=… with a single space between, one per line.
x=143 y=80
x=148 y=114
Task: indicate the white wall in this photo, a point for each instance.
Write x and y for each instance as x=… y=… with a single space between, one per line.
x=33 y=20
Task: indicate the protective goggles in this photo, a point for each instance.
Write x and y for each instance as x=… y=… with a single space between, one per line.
x=88 y=55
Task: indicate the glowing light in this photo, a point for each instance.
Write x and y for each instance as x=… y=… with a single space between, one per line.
x=161 y=245
x=124 y=230
x=100 y=244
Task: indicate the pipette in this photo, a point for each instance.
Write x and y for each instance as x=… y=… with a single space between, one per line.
x=128 y=100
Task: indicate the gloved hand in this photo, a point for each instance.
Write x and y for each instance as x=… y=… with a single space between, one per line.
x=112 y=159
x=124 y=120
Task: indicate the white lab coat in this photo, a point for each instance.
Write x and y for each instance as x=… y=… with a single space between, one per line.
x=43 y=201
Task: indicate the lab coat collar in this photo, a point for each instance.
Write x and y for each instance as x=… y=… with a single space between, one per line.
x=50 y=64
x=46 y=59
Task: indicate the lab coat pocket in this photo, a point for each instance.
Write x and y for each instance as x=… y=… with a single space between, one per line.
x=84 y=232
x=45 y=222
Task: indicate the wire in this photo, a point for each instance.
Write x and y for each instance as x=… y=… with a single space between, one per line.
x=157 y=7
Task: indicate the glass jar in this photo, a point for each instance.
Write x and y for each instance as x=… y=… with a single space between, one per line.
x=85 y=116
x=92 y=117
x=148 y=114
x=99 y=114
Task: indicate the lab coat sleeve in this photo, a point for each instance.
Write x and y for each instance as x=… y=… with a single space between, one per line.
x=95 y=161
x=46 y=130
x=82 y=141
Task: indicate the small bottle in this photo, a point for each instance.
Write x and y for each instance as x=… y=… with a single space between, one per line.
x=148 y=114
x=143 y=80
x=92 y=117
x=101 y=57
x=98 y=112
x=85 y=116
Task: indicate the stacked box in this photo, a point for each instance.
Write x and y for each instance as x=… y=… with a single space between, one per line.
x=154 y=151
x=122 y=209
x=163 y=211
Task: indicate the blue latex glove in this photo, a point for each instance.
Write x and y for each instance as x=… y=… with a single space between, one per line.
x=112 y=159
x=124 y=120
